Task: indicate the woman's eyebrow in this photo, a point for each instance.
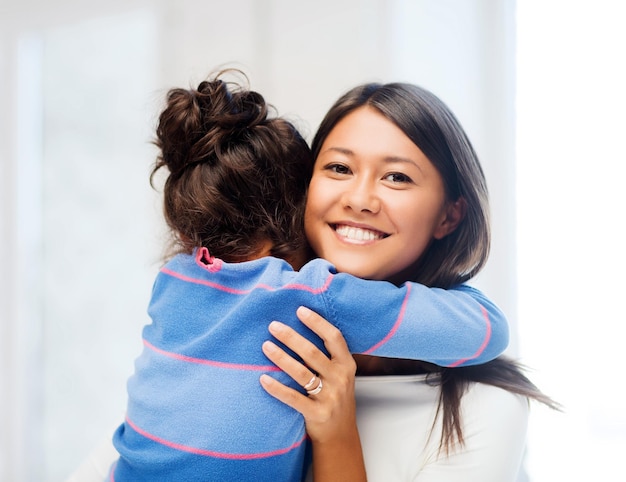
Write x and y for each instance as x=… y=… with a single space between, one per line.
x=405 y=160
x=341 y=150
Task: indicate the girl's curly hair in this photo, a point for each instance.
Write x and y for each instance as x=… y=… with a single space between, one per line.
x=237 y=176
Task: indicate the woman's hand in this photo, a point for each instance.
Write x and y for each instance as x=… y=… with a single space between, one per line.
x=330 y=414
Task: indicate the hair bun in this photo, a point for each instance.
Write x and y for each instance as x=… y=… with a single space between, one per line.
x=197 y=122
x=229 y=109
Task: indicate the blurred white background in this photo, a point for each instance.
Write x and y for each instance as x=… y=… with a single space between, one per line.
x=538 y=84
x=571 y=170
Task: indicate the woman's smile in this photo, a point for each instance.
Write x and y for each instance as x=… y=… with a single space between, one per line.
x=357 y=234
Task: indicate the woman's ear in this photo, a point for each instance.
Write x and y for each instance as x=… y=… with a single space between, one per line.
x=455 y=212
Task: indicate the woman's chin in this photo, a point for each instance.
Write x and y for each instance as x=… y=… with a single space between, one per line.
x=359 y=271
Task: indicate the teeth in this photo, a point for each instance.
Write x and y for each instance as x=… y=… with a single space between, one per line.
x=358 y=234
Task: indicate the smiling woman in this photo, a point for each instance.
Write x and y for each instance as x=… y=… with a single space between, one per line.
x=376 y=201
x=393 y=161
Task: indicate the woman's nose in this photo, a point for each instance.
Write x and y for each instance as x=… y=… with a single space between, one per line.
x=361 y=197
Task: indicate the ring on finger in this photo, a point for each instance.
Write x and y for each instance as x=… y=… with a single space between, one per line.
x=317 y=389
x=311 y=384
x=314 y=386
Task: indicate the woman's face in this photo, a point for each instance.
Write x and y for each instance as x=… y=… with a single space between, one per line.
x=375 y=201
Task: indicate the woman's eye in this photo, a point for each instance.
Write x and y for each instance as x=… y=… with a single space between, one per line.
x=338 y=168
x=398 y=177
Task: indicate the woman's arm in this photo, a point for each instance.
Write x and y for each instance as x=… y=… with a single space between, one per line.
x=330 y=415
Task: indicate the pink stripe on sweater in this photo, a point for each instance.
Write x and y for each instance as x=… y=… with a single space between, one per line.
x=485 y=341
x=237 y=291
x=213 y=363
x=315 y=291
x=395 y=326
x=212 y=453
x=204 y=282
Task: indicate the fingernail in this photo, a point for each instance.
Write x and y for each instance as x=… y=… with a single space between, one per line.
x=266 y=379
x=303 y=310
x=275 y=326
x=268 y=346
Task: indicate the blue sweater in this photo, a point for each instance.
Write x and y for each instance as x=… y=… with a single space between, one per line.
x=196 y=409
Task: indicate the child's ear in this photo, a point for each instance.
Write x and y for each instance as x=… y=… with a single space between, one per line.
x=455 y=212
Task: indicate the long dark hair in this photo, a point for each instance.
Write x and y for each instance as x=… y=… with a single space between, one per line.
x=237 y=175
x=456 y=258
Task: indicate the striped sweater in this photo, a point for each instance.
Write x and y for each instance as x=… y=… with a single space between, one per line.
x=196 y=410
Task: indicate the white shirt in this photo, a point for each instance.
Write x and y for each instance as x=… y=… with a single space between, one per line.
x=395 y=415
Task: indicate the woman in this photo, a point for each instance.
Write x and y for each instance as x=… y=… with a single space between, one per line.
x=398 y=194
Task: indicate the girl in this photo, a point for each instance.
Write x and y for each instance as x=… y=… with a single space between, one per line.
x=390 y=159
x=234 y=199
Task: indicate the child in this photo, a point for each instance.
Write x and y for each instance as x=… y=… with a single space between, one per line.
x=234 y=199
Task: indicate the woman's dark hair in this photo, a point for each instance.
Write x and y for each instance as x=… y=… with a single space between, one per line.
x=456 y=258
x=237 y=176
